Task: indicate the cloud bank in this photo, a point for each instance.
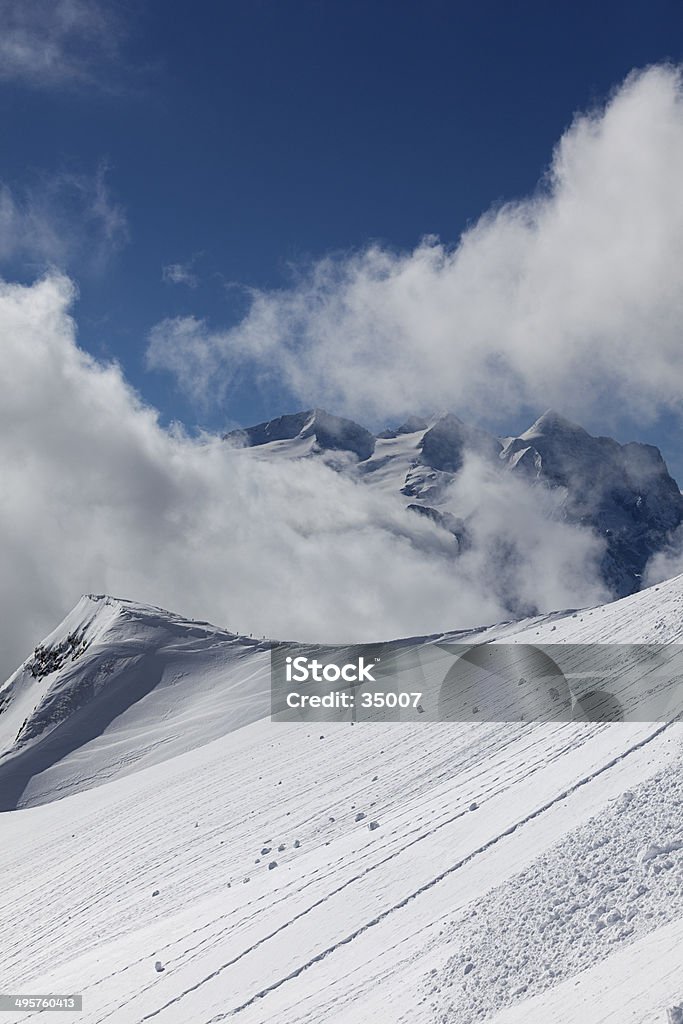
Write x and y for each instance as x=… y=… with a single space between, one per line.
x=572 y=297
x=97 y=497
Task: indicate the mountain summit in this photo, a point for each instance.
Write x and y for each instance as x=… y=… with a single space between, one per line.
x=622 y=492
x=332 y=433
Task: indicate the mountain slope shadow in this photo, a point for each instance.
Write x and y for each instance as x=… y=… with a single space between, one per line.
x=84 y=724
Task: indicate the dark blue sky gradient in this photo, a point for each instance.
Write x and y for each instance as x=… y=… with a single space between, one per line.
x=255 y=133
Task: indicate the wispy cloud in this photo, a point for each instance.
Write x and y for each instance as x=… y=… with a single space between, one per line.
x=47 y=43
x=178 y=343
x=180 y=273
x=572 y=297
x=65 y=219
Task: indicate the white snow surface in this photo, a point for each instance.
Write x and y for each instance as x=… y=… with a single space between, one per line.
x=164 y=819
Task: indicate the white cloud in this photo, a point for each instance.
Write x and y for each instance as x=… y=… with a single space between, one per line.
x=50 y=43
x=180 y=273
x=60 y=220
x=96 y=496
x=520 y=548
x=666 y=563
x=572 y=297
x=181 y=342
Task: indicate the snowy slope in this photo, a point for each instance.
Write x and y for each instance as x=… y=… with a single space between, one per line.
x=614 y=990
x=480 y=829
x=118 y=686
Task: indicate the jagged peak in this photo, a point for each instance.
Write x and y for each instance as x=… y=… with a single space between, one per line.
x=551 y=422
x=413 y=424
x=444 y=445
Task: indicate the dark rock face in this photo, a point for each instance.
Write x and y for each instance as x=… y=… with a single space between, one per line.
x=337 y=434
x=446 y=520
x=281 y=429
x=624 y=491
x=333 y=433
x=411 y=425
x=445 y=444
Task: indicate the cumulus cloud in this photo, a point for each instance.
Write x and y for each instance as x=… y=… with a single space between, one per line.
x=572 y=297
x=61 y=219
x=49 y=43
x=97 y=496
x=520 y=549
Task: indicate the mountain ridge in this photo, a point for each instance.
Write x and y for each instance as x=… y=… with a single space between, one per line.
x=623 y=493
x=120 y=689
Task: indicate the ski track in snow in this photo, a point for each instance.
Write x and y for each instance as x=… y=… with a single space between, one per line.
x=352 y=925
x=432 y=882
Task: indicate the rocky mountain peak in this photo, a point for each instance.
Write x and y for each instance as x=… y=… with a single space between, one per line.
x=445 y=444
x=333 y=433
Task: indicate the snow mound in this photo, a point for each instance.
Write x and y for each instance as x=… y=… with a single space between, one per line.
x=578 y=903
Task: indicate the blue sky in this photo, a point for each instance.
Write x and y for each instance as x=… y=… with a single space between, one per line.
x=229 y=143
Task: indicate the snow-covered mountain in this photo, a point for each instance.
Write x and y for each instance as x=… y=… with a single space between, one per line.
x=204 y=863
x=622 y=492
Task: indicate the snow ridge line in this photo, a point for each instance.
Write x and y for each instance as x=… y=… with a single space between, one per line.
x=439 y=878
